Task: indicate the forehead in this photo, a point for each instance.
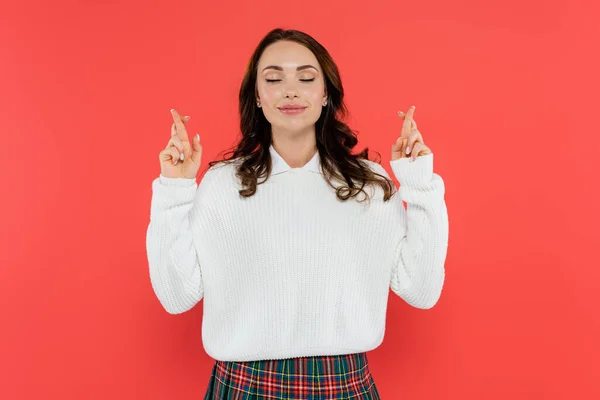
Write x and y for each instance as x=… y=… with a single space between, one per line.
x=287 y=54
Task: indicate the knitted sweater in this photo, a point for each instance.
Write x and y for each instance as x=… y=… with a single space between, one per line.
x=292 y=271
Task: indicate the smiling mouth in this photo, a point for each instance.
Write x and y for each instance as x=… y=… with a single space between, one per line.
x=290 y=110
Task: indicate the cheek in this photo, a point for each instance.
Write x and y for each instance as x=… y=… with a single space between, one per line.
x=269 y=95
x=314 y=94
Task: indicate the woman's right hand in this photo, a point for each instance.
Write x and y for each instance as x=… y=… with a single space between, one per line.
x=171 y=163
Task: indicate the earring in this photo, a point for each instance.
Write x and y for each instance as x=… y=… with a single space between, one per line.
x=325 y=102
x=258 y=103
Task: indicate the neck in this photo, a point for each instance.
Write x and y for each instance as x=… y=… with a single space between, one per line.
x=295 y=150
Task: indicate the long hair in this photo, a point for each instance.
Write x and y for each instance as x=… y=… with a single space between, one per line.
x=334 y=138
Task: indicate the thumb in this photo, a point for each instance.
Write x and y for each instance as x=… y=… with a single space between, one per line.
x=196 y=149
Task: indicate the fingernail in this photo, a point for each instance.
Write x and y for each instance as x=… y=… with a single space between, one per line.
x=197 y=136
x=172 y=109
x=407 y=150
x=414 y=107
x=187 y=116
x=181 y=156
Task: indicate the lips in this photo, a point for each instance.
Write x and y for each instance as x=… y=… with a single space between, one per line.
x=291 y=107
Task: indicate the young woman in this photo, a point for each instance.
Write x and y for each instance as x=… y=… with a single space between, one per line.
x=293 y=242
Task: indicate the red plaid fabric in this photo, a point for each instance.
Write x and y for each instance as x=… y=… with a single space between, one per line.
x=344 y=376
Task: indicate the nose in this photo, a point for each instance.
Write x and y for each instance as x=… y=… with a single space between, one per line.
x=291 y=92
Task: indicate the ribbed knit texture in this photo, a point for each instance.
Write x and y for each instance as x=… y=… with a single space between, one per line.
x=292 y=271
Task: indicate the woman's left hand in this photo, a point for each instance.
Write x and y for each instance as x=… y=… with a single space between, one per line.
x=410 y=143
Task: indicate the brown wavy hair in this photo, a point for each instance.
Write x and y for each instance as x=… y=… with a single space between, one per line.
x=334 y=138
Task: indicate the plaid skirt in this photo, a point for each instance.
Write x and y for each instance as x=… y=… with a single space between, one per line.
x=344 y=376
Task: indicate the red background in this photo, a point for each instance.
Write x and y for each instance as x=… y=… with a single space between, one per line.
x=506 y=96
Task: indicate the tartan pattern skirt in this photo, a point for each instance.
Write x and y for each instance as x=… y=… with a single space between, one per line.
x=344 y=376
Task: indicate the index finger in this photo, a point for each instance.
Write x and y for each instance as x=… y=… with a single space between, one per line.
x=179 y=127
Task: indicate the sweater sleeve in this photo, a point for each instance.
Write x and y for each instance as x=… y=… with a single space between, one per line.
x=418 y=269
x=175 y=272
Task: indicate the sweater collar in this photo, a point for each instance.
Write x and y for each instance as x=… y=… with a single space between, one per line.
x=279 y=165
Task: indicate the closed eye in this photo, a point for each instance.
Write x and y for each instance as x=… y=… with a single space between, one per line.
x=301 y=80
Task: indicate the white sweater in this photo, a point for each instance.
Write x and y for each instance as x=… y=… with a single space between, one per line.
x=292 y=271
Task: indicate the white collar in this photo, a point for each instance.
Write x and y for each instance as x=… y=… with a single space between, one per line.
x=279 y=165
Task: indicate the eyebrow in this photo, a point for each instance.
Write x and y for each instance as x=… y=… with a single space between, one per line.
x=300 y=68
